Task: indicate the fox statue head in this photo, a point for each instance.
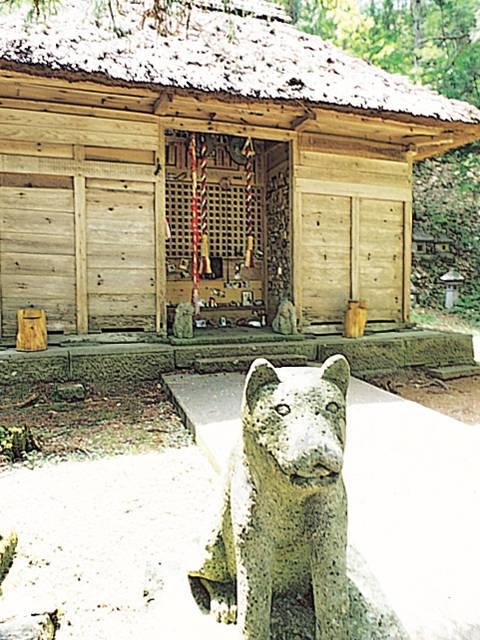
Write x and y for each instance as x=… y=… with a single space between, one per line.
x=294 y=421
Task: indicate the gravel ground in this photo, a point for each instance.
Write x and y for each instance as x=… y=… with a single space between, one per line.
x=100 y=539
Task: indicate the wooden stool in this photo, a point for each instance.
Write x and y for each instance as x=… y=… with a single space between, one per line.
x=32 y=330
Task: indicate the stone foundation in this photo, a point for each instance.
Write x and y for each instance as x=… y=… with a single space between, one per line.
x=374 y=354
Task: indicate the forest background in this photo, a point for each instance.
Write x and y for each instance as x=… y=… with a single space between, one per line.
x=435 y=43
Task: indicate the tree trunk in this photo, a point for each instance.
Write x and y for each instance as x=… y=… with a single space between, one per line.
x=417 y=32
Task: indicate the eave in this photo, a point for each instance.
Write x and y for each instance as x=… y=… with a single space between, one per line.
x=332 y=128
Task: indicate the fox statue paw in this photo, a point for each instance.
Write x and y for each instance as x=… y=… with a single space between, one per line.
x=223 y=602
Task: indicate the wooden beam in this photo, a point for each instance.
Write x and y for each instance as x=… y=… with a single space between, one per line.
x=208 y=102
x=301 y=122
x=132 y=101
x=66 y=167
x=160 y=108
x=431 y=141
x=427 y=151
x=416 y=126
x=88 y=86
x=358 y=132
x=377 y=192
x=54 y=106
x=361 y=147
x=226 y=128
x=23 y=124
x=80 y=213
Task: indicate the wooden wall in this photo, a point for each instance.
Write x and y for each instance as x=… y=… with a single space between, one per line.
x=82 y=208
x=37 y=257
x=81 y=214
x=352 y=235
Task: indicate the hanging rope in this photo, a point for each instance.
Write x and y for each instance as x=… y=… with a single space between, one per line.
x=249 y=152
x=192 y=150
x=205 y=266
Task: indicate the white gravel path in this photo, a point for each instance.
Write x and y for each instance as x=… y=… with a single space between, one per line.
x=96 y=536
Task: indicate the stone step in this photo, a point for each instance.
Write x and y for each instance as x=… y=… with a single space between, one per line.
x=185 y=357
x=242 y=363
x=455 y=371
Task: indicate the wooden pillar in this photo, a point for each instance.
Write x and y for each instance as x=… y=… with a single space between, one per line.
x=1 y=292
x=80 y=240
x=355 y=248
x=160 y=249
x=407 y=243
x=296 y=226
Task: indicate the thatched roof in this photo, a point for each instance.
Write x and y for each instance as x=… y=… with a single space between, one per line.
x=246 y=54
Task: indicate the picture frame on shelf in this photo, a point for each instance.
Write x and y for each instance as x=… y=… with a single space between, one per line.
x=247 y=298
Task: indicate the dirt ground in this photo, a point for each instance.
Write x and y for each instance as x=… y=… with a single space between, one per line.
x=459 y=399
x=107 y=421
x=138 y=418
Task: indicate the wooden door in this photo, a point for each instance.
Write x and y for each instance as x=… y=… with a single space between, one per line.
x=325 y=253
x=380 y=258
x=37 y=262
x=121 y=275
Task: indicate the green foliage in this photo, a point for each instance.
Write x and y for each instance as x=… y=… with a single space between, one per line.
x=468 y=306
x=15 y=442
x=446 y=197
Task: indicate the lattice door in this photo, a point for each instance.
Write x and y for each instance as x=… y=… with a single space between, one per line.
x=226 y=219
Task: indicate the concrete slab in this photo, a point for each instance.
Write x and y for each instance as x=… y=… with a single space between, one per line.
x=413 y=484
x=211 y=406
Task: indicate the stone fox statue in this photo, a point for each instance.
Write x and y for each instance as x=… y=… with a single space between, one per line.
x=282 y=530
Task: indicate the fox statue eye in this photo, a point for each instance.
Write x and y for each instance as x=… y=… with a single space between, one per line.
x=332 y=407
x=282 y=409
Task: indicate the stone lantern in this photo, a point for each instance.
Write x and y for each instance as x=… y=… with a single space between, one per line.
x=452 y=280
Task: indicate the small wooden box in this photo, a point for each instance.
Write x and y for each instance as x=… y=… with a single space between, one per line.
x=32 y=330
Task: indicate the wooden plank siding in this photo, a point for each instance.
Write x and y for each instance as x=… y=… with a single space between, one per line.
x=381 y=258
x=325 y=256
x=120 y=257
x=353 y=219
x=37 y=254
x=78 y=222
x=55 y=128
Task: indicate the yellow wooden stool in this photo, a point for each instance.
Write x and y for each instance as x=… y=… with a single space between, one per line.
x=32 y=330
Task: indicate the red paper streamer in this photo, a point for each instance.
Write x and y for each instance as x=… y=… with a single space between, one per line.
x=249 y=153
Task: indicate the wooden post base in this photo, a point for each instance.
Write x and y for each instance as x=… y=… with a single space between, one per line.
x=355 y=319
x=32 y=330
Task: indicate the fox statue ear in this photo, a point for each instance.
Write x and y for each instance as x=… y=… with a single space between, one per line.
x=260 y=374
x=337 y=370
